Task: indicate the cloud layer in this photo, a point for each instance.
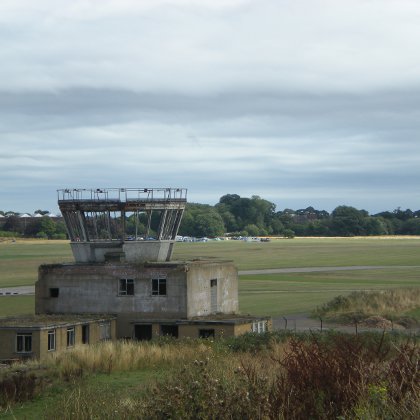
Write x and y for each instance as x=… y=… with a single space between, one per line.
x=301 y=102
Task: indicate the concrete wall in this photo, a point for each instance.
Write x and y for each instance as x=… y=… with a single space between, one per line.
x=93 y=288
x=199 y=288
x=192 y=331
x=8 y=343
x=132 y=251
x=40 y=339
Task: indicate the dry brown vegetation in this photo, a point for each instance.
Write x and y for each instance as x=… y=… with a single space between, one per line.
x=386 y=307
x=269 y=376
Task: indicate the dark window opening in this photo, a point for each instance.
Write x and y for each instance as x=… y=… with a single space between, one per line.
x=143 y=332
x=213 y=283
x=54 y=292
x=159 y=287
x=24 y=343
x=126 y=287
x=51 y=340
x=206 y=333
x=70 y=337
x=169 y=330
x=85 y=334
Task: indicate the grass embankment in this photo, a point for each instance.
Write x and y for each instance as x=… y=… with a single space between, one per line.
x=255 y=376
x=400 y=306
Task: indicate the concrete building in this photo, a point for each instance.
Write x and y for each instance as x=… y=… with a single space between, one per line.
x=38 y=336
x=122 y=241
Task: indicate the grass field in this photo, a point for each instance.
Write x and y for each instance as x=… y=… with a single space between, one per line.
x=19 y=260
x=285 y=294
x=274 y=294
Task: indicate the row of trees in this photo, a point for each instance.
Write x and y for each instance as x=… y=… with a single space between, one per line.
x=258 y=217
x=43 y=227
x=241 y=216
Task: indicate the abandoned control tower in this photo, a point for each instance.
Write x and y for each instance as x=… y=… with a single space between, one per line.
x=97 y=223
x=123 y=283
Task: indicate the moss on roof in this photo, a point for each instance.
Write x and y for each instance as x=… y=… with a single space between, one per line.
x=47 y=321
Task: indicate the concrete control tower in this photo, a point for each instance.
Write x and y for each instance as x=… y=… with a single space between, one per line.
x=122 y=224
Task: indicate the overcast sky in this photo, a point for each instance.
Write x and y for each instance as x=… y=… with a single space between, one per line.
x=302 y=102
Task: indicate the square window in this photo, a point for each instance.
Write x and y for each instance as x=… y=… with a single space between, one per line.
x=54 y=292
x=70 y=337
x=51 y=340
x=24 y=343
x=159 y=287
x=126 y=287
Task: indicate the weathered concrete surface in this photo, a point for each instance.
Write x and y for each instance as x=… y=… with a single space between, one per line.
x=130 y=251
x=94 y=288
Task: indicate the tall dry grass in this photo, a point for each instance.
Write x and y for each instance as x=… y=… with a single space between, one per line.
x=116 y=356
x=391 y=304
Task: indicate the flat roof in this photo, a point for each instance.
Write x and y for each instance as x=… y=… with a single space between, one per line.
x=214 y=319
x=44 y=321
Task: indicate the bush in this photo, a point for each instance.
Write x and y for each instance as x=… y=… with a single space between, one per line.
x=18 y=387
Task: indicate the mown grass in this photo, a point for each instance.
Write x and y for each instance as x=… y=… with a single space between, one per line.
x=17 y=305
x=285 y=294
x=307 y=252
x=271 y=294
x=19 y=261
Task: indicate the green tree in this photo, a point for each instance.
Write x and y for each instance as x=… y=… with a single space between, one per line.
x=209 y=224
x=348 y=221
x=48 y=227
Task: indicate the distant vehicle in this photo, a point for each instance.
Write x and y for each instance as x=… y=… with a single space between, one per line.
x=265 y=239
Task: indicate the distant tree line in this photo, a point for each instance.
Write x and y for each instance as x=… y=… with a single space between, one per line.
x=240 y=216
x=32 y=227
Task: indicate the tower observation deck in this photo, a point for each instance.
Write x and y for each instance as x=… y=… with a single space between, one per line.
x=122 y=224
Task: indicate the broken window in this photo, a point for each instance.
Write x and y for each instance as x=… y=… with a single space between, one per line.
x=206 y=333
x=159 y=287
x=51 y=340
x=70 y=337
x=24 y=343
x=143 y=332
x=54 y=292
x=85 y=334
x=169 y=330
x=105 y=330
x=259 y=326
x=126 y=287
